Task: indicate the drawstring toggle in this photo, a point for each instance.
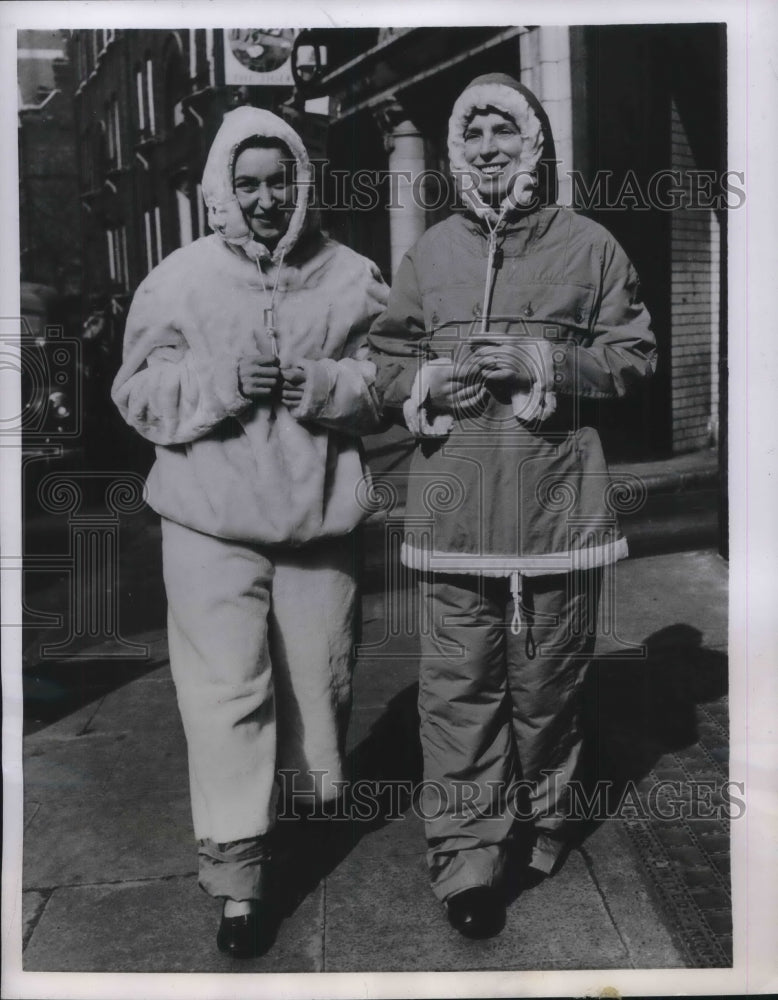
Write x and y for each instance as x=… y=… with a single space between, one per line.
x=516 y=595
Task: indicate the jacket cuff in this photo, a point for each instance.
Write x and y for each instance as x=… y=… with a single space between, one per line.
x=225 y=384
x=319 y=383
x=537 y=403
x=415 y=408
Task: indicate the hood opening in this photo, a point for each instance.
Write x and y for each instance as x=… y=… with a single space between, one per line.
x=500 y=92
x=225 y=216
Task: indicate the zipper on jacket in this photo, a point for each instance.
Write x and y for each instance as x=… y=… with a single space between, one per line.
x=494 y=261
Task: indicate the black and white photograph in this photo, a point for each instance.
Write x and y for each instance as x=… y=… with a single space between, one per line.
x=383 y=585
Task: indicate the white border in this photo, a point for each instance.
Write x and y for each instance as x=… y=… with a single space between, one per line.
x=752 y=34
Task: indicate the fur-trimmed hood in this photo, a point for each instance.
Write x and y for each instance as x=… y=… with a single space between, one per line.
x=225 y=216
x=537 y=184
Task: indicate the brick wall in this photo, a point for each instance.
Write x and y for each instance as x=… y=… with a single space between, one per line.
x=694 y=310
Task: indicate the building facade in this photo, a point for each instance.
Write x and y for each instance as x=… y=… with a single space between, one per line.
x=146 y=106
x=48 y=179
x=639 y=125
x=638 y=114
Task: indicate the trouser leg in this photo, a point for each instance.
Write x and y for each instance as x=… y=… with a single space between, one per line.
x=218 y=601
x=313 y=621
x=465 y=733
x=546 y=665
x=235 y=870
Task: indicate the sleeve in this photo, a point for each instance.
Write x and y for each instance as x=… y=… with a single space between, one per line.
x=340 y=394
x=623 y=351
x=161 y=389
x=398 y=345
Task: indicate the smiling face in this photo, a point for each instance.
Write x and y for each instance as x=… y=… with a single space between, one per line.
x=264 y=188
x=493 y=146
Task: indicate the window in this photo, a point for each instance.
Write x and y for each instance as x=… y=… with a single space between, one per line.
x=176 y=85
x=190 y=209
x=192 y=53
x=96 y=38
x=184 y=208
x=87 y=160
x=153 y=237
x=113 y=133
x=150 y=95
x=144 y=94
x=200 y=211
x=116 y=238
x=80 y=56
x=141 y=105
x=89 y=59
x=98 y=155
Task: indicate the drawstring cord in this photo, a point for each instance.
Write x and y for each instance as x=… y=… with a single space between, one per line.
x=270 y=312
x=516 y=595
x=270 y=318
x=490 y=263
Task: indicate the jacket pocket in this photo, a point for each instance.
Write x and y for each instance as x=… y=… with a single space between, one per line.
x=568 y=307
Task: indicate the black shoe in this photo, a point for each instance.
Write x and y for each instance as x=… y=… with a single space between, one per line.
x=476 y=913
x=248 y=935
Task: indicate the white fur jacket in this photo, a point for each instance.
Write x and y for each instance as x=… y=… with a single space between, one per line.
x=226 y=465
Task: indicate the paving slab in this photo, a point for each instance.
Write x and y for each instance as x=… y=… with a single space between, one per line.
x=30 y=809
x=77 y=767
x=376 y=682
x=74 y=724
x=73 y=842
x=166 y=925
x=109 y=829
x=147 y=705
x=393 y=923
x=635 y=912
x=683 y=589
x=153 y=766
x=32 y=907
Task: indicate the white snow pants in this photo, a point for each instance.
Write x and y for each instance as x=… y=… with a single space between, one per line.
x=261 y=643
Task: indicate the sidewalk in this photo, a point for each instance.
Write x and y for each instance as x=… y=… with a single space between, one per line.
x=109 y=872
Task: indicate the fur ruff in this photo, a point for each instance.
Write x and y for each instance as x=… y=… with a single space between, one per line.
x=512 y=103
x=225 y=216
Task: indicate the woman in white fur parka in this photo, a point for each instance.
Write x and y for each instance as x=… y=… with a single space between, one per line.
x=243 y=363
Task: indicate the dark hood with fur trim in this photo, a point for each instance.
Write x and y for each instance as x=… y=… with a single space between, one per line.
x=502 y=93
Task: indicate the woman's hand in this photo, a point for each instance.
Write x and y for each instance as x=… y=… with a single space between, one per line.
x=453 y=387
x=506 y=366
x=292 y=385
x=258 y=376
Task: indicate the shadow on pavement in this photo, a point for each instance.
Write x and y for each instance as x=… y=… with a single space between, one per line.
x=309 y=849
x=635 y=712
x=54 y=689
x=638 y=710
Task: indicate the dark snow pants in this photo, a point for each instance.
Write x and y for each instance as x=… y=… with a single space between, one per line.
x=500 y=717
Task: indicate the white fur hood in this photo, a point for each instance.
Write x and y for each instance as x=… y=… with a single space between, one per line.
x=224 y=213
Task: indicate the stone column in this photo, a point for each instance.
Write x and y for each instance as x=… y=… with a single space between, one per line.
x=545 y=69
x=405 y=146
